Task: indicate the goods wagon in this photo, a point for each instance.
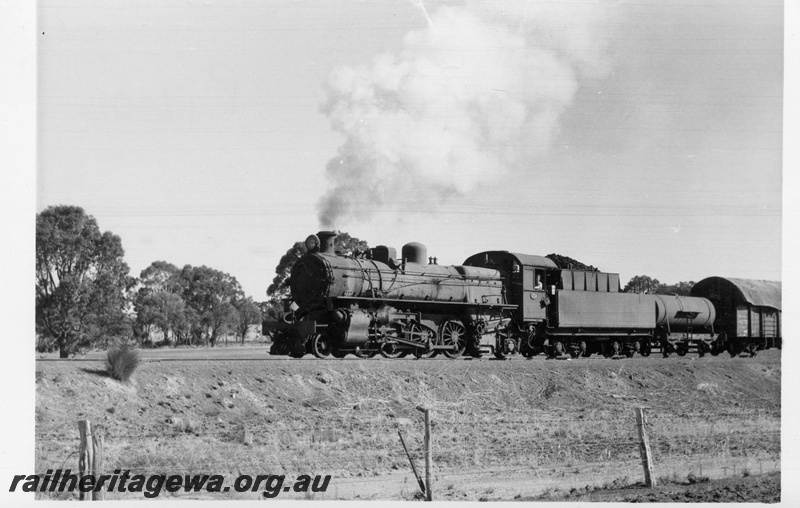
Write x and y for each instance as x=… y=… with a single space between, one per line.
x=748 y=313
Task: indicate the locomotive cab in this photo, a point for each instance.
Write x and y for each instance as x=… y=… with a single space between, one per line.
x=526 y=278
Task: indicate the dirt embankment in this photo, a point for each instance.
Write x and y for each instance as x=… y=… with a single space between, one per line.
x=342 y=416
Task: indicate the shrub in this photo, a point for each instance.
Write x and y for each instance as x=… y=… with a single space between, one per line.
x=121 y=361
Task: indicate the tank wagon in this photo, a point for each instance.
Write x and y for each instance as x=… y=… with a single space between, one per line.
x=505 y=303
x=748 y=313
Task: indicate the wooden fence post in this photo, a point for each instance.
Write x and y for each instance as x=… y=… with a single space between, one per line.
x=644 y=448
x=98 y=443
x=428 y=465
x=86 y=456
x=413 y=466
x=91 y=457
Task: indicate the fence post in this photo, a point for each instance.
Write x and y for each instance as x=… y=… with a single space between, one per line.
x=413 y=466
x=644 y=448
x=86 y=460
x=98 y=443
x=428 y=465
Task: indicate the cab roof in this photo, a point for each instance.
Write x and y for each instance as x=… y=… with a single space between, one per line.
x=522 y=259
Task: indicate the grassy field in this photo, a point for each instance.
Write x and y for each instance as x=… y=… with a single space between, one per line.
x=502 y=430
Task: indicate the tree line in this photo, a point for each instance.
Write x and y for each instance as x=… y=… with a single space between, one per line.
x=85 y=296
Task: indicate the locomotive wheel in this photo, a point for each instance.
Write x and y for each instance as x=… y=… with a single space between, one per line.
x=421 y=353
x=453 y=333
x=365 y=354
x=321 y=346
x=390 y=350
x=338 y=354
x=499 y=354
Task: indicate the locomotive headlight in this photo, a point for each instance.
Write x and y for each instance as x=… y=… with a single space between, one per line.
x=312 y=243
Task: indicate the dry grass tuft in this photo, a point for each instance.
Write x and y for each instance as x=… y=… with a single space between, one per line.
x=121 y=361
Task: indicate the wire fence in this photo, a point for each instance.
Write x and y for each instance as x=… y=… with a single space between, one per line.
x=466 y=448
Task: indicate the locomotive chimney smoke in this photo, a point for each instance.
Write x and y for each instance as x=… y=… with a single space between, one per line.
x=475 y=94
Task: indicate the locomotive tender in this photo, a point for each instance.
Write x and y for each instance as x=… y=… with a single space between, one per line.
x=496 y=302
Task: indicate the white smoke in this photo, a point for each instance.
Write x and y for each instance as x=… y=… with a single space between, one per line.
x=476 y=94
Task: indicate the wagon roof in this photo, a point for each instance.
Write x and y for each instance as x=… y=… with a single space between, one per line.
x=761 y=293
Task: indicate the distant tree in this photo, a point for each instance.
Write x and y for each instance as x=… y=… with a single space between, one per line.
x=81 y=279
x=159 y=277
x=279 y=289
x=223 y=320
x=681 y=288
x=348 y=245
x=164 y=310
x=185 y=332
x=210 y=294
x=249 y=314
x=642 y=284
x=565 y=262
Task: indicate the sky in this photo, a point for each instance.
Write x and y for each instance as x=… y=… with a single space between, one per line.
x=642 y=137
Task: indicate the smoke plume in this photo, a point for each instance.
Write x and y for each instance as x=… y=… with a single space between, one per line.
x=475 y=94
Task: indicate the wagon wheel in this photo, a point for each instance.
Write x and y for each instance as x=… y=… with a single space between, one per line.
x=682 y=349
x=559 y=350
x=584 y=349
x=390 y=350
x=321 y=345
x=734 y=348
x=645 y=348
x=453 y=333
x=614 y=349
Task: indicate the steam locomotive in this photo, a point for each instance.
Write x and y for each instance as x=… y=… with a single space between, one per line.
x=504 y=303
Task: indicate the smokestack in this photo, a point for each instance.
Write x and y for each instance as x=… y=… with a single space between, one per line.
x=326 y=241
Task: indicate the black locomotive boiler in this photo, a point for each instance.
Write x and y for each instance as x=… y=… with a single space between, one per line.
x=503 y=303
x=378 y=303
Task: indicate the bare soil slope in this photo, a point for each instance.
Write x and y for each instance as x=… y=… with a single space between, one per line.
x=533 y=424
